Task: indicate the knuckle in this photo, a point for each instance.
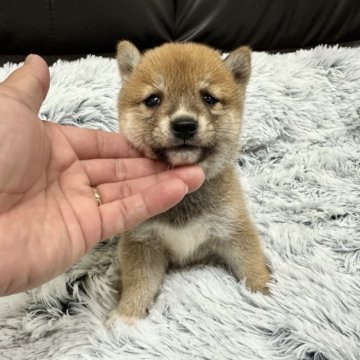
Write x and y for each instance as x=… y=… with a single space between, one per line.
x=147 y=213
x=100 y=144
x=123 y=218
x=10 y=93
x=134 y=212
x=125 y=190
x=120 y=169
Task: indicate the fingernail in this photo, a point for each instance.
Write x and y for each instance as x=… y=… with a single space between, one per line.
x=28 y=58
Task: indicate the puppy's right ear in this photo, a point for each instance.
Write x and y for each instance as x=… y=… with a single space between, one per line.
x=128 y=56
x=239 y=63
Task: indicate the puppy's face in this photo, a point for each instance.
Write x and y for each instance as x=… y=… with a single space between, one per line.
x=181 y=103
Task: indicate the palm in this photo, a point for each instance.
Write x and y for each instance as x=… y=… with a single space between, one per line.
x=49 y=216
x=48 y=187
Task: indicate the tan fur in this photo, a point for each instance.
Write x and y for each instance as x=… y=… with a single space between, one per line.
x=212 y=221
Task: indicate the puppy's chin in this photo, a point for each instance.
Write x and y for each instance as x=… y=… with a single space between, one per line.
x=181 y=155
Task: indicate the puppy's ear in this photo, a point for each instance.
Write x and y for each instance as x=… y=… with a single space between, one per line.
x=239 y=63
x=128 y=56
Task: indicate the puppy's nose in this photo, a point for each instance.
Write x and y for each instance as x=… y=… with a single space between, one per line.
x=184 y=127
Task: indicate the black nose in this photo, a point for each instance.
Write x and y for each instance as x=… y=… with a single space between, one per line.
x=184 y=127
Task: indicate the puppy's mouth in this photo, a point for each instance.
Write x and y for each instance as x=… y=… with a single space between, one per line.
x=185 y=154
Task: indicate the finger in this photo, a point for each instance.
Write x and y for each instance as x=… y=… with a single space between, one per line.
x=96 y=144
x=101 y=171
x=29 y=83
x=118 y=216
x=193 y=177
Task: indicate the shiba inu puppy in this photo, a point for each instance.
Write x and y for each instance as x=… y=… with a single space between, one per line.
x=183 y=104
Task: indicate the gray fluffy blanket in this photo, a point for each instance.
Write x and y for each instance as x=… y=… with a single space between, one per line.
x=300 y=167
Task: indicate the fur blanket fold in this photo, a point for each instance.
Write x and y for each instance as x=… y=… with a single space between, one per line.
x=300 y=168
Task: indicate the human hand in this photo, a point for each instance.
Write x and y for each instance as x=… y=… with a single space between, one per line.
x=49 y=216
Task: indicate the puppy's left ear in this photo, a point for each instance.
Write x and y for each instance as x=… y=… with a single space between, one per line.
x=128 y=56
x=239 y=63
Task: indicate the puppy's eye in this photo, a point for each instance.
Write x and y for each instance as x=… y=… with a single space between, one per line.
x=152 y=100
x=208 y=98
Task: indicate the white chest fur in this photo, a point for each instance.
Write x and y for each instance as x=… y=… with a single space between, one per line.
x=184 y=241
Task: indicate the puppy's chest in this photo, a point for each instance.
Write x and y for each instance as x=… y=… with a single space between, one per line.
x=182 y=242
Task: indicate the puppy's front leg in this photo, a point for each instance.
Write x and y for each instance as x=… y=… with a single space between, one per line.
x=143 y=265
x=243 y=254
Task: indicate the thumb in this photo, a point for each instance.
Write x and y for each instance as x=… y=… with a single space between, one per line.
x=30 y=82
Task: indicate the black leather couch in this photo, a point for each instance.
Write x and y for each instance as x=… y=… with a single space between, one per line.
x=73 y=28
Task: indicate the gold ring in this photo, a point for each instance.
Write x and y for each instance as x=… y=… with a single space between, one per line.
x=97 y=196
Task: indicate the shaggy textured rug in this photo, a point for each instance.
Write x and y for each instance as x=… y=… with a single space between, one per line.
x=300 y=167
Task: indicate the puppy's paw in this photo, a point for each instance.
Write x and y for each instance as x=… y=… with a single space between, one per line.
x=259 y=282
x=116 y=317
x=259 y=287
x=113 y=318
